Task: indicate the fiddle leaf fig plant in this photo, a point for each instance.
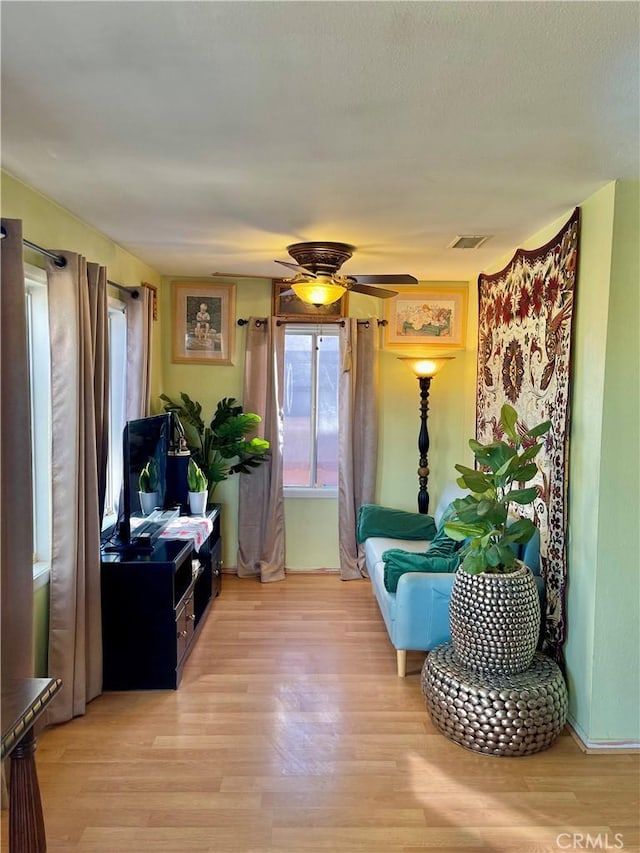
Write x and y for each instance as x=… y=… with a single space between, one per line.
x=221 y=448
x=196 y=480
x=482 y=518
x=148 y=479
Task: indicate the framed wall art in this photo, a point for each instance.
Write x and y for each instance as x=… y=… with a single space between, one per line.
x=425 y=317
x=203 y=321
x=291 y=307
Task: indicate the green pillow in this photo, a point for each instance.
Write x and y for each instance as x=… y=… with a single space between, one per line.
x=397 y=562
x=374 y=520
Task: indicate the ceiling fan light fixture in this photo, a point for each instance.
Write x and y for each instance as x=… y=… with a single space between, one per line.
x=319 y=291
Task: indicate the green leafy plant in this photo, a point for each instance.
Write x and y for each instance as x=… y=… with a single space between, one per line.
x=222 y=448
x=482 y=517
x=148 y=479
x=196 y=480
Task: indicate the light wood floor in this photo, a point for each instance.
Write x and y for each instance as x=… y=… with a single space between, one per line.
x=291 y=733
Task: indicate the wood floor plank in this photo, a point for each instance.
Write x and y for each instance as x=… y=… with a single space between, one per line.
x=291 y=733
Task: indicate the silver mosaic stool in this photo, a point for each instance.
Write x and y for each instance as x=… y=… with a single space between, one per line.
x=505 y=714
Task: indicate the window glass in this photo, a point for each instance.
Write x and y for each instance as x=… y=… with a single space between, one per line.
x=40 y=393
x=310 y=408
x=117 y=408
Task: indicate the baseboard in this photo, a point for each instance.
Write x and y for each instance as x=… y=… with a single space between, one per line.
x=591 y=747
x=232 y=570
x=312 y=571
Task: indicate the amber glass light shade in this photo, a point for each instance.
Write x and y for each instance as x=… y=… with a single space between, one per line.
x=422 y=367
x=319 y=291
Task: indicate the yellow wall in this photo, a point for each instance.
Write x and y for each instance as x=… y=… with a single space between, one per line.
x=451 y=419
x=451 y=424
x=51 y=226
x=48 y=225
x=41 y=630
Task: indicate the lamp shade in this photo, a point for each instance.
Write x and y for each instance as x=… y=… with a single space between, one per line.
x=422 y=367
x=319 y=291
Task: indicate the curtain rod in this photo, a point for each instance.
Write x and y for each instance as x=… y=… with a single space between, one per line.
x=61 y=262
x=259 y=322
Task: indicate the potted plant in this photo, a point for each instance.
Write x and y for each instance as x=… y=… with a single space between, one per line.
x=148 y=484
x=495 y=607
x=198 y=491
x=216 y=446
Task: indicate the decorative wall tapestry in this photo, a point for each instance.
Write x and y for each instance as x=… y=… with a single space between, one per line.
x=524 y=344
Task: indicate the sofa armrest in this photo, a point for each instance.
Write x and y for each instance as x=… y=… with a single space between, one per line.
x=422 y=610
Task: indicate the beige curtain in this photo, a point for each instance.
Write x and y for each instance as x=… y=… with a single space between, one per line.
x=261 y=538
x=79 y=364
x=139 y=349
x=16 y=516
x=358 y=437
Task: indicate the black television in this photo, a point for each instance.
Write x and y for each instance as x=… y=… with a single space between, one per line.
x=145 y=439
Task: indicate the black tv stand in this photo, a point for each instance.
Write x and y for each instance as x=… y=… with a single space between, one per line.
x=155 y=597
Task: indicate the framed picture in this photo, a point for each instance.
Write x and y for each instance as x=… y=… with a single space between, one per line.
x=288 y=305
x=427 y=318
x=203 y=323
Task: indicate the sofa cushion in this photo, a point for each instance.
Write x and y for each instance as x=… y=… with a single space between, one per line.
x=397 y=562
x=374 y=520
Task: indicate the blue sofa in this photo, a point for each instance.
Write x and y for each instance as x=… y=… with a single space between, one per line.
x=417 y=614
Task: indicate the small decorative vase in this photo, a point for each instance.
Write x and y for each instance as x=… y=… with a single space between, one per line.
x=495 y=620
x=198 y=502
x=148 y=502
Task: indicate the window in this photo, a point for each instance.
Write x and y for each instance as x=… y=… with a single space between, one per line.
x=38 y=350
x=117 y=408
x=40 y=394
x=310 y=409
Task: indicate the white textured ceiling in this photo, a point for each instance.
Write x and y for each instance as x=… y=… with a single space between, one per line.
x=207 y=136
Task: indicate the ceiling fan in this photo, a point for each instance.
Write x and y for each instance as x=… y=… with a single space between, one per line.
x=318 y=282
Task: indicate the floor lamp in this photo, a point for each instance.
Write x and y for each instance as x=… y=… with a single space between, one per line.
x=424 y=369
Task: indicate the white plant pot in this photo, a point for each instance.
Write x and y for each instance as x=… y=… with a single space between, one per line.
x=148 y=502
x=198 y=502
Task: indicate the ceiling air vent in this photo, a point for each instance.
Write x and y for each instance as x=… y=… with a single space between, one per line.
x=468 y=242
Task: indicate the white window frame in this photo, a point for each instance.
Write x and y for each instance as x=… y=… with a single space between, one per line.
x=312 y=492
x=117 y=406
x=36 y=304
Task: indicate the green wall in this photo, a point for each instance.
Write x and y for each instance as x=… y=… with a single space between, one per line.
x=602 y=649
x=616 y=634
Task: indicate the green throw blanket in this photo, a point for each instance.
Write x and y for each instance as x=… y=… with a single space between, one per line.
x=442 y=556
x=398 y=562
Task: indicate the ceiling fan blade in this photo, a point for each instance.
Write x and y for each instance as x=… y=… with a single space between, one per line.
x=384 y=279
x=372 y=291
x=297 y=268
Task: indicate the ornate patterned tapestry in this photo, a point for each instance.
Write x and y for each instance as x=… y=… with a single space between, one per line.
x=524 y=338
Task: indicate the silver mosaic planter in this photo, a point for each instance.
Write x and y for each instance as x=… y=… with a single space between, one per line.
x=502 y=715
x=495 y=620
